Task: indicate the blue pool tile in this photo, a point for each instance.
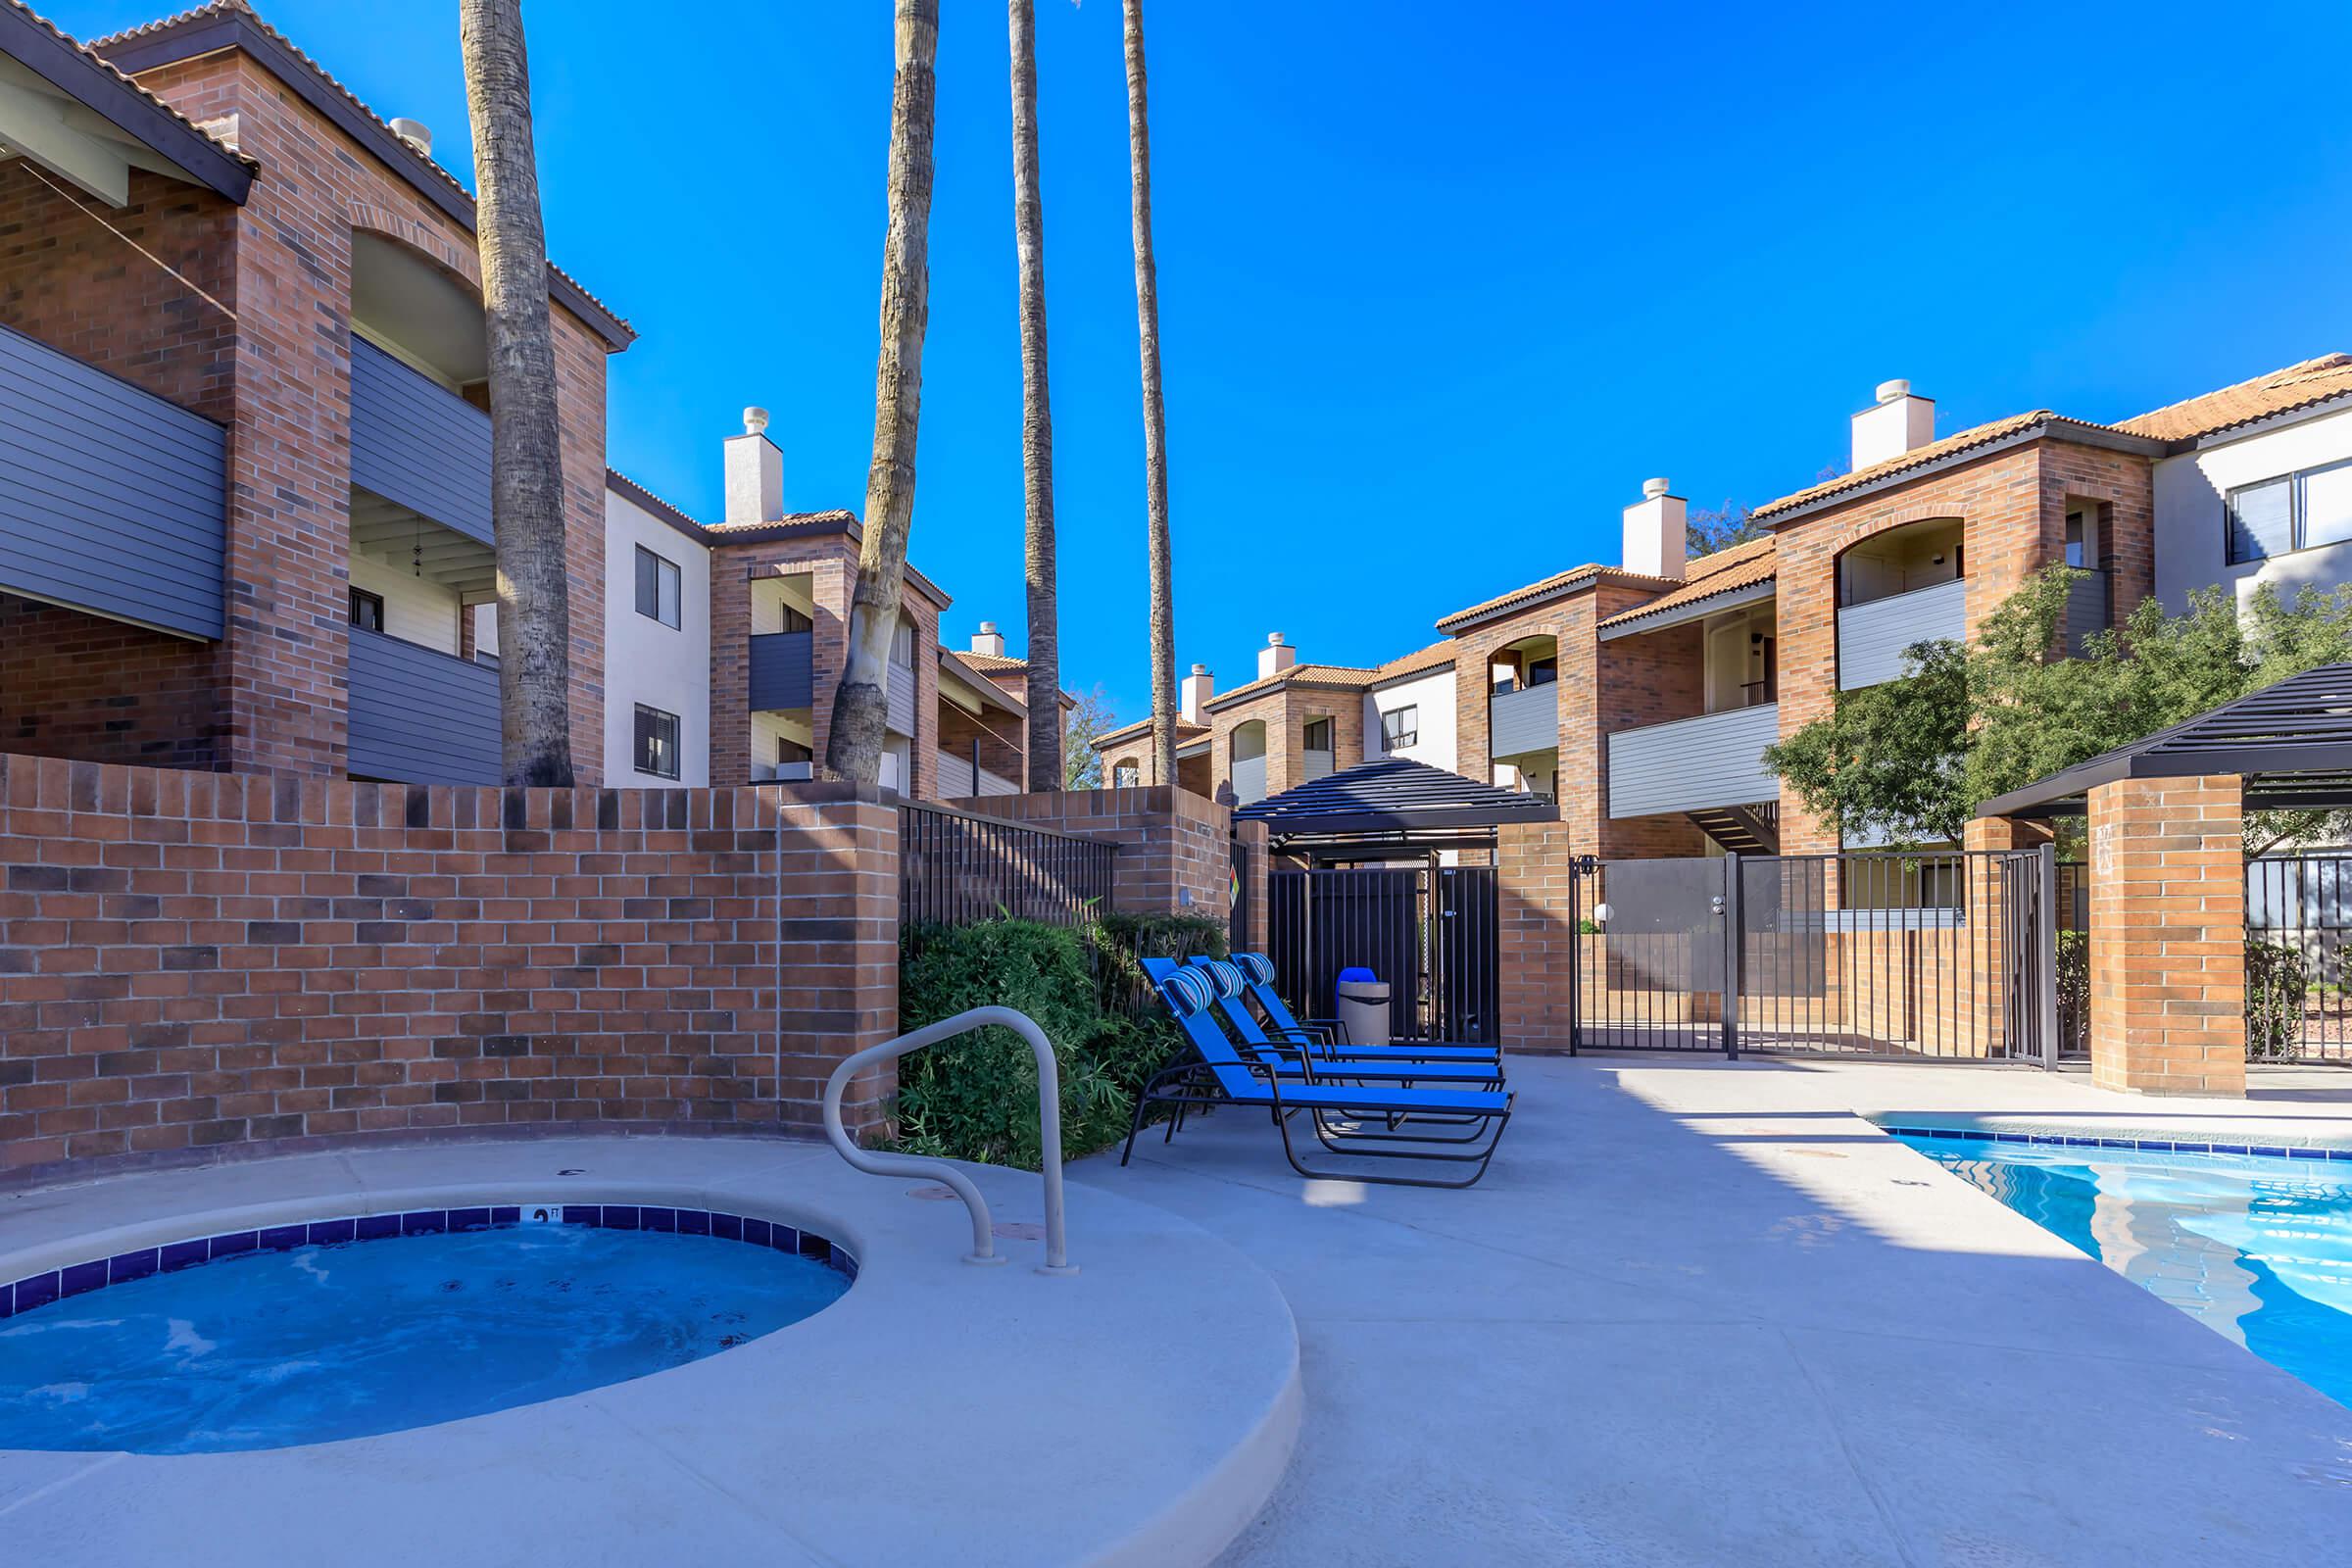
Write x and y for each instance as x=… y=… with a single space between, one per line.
x=844 y=1262
x=2307 y=1153
x=126 y=1266
x=2011 y=1137
x=621 y=1216
x=581 y=1214
x=694 y=1222
x=185 y=1254
x=375 y=1227
x=80 y=1277
x=756 y=1232
x=784 y=1239
x=235 y=1242
x=727 y=1227
x=469 y=1219
x=508 y=1214
x=38 y=1291
x=657 y=1219
x=816 y=1246
x=334 y=1232
x=2272 y=1151
x=8 y=1299
x=2229 y=1149
x=286 y=1237
x=2339 y=1153
x=424 y=1222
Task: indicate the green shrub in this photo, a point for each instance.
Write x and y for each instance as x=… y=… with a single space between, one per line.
x=2073 y=990
x=976 y=1097
x=2277 y=979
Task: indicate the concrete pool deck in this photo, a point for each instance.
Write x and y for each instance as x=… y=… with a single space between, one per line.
x=1701 y=1312
x=1139 y=1413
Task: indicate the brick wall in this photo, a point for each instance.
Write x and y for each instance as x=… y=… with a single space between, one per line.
x=1536 y=935
x=98 y=690
x=2167 y=931
x=194 y=960
x=1286 y=710
x=1175 y=855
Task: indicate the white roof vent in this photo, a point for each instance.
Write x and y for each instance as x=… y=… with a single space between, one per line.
x=417 y=133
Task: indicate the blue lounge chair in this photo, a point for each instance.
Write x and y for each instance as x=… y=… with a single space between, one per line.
x=1353 y=1121
x=1352 y=1064
x=1257 y=979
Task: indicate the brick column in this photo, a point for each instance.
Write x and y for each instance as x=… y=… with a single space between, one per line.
x=837 y=924
x=1537 y=941
x=2168 y=933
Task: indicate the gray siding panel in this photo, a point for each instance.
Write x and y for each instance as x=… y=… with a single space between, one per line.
x=420 y=716
x=112 y=500
x=2086 y=609
x=1694 y=763
x=1249 y=780
x=1872 y=637
x=781 y=670
x=1523 y=721
x=419 y=444
x=901 y=698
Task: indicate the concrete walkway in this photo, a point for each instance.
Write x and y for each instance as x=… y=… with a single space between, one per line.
x=1700 y=1312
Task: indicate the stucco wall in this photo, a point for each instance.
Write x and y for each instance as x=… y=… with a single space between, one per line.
x=646 y=662
x=2192 y=536
x=1432 y=694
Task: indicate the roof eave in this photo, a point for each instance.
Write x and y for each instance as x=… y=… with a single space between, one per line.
x=56 y=60
x=2054 y=427
x=1636 y=622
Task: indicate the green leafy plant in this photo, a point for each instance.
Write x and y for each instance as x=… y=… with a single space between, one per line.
x=2277 y=979
x=2073 y=990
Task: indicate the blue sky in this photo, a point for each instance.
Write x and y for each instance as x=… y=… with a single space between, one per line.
x=1440 y=285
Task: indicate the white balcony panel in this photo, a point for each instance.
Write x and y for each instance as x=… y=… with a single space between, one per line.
x=1872 y=637
x=1694 y=764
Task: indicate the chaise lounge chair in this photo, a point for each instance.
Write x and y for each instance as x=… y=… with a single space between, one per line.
x=1345 y=1063
x=1329 y=1035
x=1353 y=1121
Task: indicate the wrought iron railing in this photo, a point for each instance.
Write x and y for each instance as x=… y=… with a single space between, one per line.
x=959 y=867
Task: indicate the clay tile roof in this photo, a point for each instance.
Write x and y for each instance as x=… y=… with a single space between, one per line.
x=990 y=663
x=87 y=52
x=829 y=520
x=2294 y=388
x=1437 y=656
x=1532 y=591
x=1343 y=676
x=418 y=161
x=1742 y=565
x=1947 y=446
x=1186 y=730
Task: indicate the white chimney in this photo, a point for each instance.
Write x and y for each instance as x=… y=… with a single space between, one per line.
x=754 y=472
x=1276 y=656
x=1896 y=424
x=989 y=641
x=1197 y=689
x=416 y=133
x=1654 y=539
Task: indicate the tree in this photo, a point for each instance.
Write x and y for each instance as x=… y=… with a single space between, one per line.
x=526 y=459
x=1910 y=759
x=1719 y=528
x=1081 y=764
x=1155 y=418
x=860 y=703
x=1046 y=766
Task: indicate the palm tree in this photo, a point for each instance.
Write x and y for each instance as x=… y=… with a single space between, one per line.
x=861 y=704
x=1037 y=415
x=1155 y=418
x=526 y=463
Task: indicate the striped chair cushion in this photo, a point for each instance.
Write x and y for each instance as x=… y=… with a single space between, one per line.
x=1188 y=991
x=1224 y=977
x=1256 y=965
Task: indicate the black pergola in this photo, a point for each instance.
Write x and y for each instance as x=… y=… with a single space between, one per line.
x=1391 y=809
x=2291 y=742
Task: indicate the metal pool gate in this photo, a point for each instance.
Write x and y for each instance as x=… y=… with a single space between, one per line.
x=1947 y=955
x=2298 y=916
x=1430 y=932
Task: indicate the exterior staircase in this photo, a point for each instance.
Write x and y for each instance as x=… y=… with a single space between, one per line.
x=1742 y=829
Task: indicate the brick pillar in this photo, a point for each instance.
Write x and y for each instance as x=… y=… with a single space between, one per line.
x=1537 y=941
x=2168 y=934
x=838 y=947
x=1256 y=840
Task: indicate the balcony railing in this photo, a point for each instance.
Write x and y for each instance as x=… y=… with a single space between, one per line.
x=419 y=444
x=1524 y=720
x=781 y=670
x=112 y=500
x=900 y=697
x=1872 y=637
x=1249 y=780
x=420 y=716
x=1694 y=764
x=780 y=772
x=2088 y=608
x=1319 y=765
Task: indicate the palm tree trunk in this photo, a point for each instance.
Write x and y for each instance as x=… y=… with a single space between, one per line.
x=860 y=703
x=1155 y=418
x=526 y=460
x=1037 y=415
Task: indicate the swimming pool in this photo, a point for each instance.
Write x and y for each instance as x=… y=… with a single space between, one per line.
x=2255 y=1247
x=346 y=1328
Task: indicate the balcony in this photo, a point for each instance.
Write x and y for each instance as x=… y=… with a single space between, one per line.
x=419 y=716
x=419 y=445
x=112 y=500
x=2087 y=609
x=901 y=695
x=1318 y=764
x=1694 y=764
x=960 y=780
x=781 y=673
x=1871 y=636
x=1249 y=780
x=1523 y=720
x=782 y=772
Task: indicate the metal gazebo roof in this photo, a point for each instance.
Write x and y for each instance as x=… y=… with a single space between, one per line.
x=2291 y=742
x=1390 y=799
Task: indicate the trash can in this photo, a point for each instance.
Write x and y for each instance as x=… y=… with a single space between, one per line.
x=1363 y=1007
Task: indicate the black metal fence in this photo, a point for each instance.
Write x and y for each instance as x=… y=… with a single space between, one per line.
x=2298 y=915
x=1431 y=934
x=958 y=869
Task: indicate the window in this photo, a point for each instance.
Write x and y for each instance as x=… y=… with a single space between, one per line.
x=902 y=646
x=2294 y=511
x=1543 y=671
x=366 y=610
x=789 y=750
x=656 y=742
x=791 y=620
x=1126 y=776
x=657 y=587
x=1319 y=734
x=1400 y=727
x=2073 y=540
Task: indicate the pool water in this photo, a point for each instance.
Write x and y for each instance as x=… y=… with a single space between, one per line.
x=2256 y=1247
x=269 y=1349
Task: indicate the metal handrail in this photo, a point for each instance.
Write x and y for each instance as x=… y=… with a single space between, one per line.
x=1049 y=1127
